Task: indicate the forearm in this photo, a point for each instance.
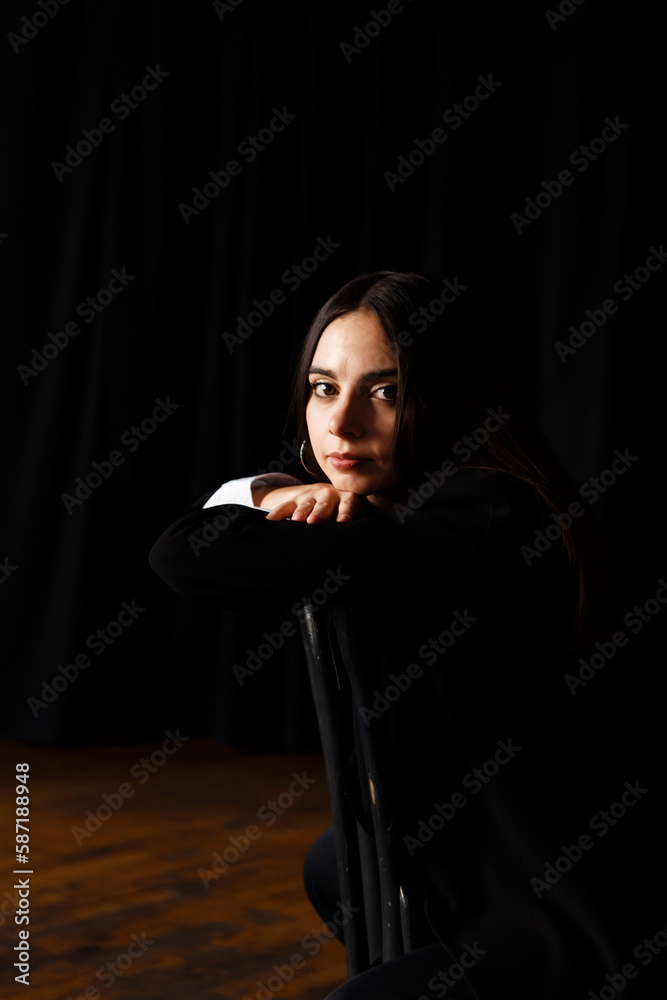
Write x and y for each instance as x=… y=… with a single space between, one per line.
x=268 y=496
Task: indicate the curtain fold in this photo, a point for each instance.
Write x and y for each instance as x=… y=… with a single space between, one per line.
x=183 y=89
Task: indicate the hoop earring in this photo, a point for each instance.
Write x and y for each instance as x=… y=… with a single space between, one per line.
x=303 y=445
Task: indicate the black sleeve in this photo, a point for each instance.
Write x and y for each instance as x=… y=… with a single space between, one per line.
x=233 y=555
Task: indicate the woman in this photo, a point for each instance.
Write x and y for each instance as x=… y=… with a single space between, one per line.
x=432 y=519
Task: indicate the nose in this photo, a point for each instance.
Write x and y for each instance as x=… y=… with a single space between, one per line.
x=346 y=418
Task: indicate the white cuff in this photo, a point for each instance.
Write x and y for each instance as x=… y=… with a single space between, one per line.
x=239 y=491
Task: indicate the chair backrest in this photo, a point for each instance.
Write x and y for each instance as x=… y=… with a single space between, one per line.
x=371 y=869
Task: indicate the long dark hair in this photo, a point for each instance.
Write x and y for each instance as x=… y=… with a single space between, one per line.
x=449 y=380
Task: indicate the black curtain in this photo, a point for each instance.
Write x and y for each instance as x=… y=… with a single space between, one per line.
x=184 y=185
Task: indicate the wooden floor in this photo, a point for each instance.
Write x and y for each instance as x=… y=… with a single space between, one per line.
x=135 y=882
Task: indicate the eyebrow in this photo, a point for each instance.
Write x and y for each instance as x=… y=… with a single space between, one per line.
x=368 y=377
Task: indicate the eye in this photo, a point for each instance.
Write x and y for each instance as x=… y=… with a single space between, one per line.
x=315 y=386
x=390 y=392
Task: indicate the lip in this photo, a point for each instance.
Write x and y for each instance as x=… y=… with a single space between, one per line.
x=345 y=461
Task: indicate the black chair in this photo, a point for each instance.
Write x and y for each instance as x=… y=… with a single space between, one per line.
x=372 y=870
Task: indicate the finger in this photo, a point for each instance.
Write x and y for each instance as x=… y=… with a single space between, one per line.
x=281 y=511
x=348 y=508
x=303 y=509
x=324 y=510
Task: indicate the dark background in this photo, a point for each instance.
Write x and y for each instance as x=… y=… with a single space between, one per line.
x=67 y=573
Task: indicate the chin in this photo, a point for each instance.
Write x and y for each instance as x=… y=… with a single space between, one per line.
x=353 y=484
x=363 y=485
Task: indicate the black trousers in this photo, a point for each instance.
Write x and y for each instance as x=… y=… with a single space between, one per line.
x=425 y=974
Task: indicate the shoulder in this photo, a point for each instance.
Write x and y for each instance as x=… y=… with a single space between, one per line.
x=481 y=503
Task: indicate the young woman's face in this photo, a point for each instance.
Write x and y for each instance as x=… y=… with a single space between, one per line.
x=351 y=410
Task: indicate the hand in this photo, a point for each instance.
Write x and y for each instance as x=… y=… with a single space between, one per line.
x=319 y=502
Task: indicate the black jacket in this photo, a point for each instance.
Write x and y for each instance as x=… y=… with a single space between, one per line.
x=534 y=825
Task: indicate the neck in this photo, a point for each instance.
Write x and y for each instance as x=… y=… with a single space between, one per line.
x=387 y=499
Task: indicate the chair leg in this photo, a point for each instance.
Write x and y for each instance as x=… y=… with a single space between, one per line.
x=371 y=887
